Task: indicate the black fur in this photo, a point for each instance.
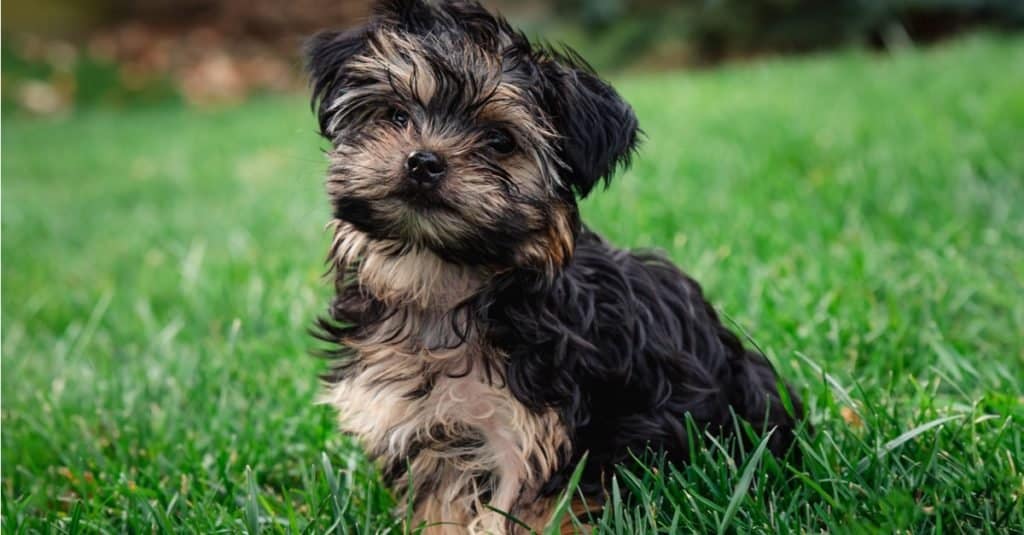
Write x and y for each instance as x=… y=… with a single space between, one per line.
x=623 y=345
x=599 y=129
x=326 y=54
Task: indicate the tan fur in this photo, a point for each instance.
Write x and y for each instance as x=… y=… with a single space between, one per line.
x=373 y=171
x=417 y=278
x=519 y=448
x=553 y=248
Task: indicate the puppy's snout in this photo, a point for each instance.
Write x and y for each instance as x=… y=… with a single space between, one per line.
x=425 y=168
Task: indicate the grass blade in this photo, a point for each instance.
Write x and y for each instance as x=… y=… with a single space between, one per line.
x=252 y=505
x=564 y=502
x=907 y=437
x=837 y=388
x=744 y=483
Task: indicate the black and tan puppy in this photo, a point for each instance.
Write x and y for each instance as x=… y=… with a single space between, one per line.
x=486 y=339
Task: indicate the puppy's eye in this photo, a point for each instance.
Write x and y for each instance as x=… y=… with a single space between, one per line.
x=399 y=117
x=501 y=141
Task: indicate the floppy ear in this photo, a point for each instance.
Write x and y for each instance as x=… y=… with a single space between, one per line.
x=326 y=54
x=598 y=128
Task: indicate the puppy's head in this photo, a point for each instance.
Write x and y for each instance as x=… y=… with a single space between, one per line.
x=451 y=132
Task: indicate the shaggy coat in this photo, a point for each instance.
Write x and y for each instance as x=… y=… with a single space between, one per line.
x=484 y=339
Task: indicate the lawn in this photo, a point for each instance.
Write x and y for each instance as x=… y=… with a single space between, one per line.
x=860 y=216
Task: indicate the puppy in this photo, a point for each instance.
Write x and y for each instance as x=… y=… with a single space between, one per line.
x=485 y=339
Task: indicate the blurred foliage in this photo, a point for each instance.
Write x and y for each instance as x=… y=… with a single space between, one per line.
x=134 y=64
x=50 y=77
x=703 y=31
x=67 y=54
x=265 y=19
x=126 y=52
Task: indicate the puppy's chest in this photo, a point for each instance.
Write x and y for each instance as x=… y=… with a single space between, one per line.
x=415 y=385
x=427 y=396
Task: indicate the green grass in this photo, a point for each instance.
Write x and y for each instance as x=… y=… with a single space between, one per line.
x=861 y=217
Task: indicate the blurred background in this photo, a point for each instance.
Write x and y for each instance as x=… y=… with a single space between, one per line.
x=59 y=55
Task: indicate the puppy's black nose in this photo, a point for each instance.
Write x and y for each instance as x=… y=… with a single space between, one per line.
x=425 y=168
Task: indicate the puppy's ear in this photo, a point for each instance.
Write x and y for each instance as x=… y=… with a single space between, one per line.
x=326 y=54
x=598 y=128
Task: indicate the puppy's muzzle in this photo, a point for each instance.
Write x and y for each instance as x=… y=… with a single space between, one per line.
x=425 y=168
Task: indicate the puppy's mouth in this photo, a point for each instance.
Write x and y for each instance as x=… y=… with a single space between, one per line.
x=423 y=199
x=405 y=213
